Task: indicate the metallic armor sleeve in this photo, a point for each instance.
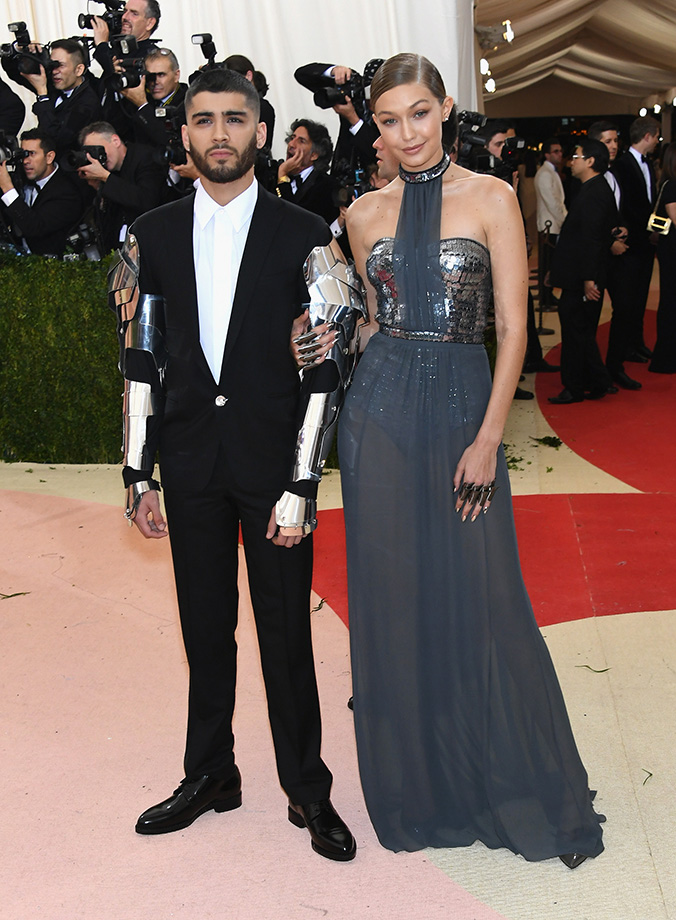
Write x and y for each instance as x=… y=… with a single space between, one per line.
x=336 y=297
x=143 y=359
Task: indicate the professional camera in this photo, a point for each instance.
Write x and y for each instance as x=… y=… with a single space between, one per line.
x=328 y=96
x=174 y=152
x=352 y=184
x=125 y=49
x=112 y=16
x=19 y=60
x=83 y=245
x=10 y=151
x=469 y=124
x=77 y=158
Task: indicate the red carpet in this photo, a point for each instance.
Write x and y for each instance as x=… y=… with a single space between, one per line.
x=631 y=435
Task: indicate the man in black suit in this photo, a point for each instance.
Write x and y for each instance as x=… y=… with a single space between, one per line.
x=12 y=110
x=67 y=102
x=47 y=208
x=579 y=267
x=140 y=20
x=636 y=178
x=224 y=271
x=128 y=184
x=159 y=93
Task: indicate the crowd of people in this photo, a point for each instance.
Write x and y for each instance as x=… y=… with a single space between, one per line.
x=108 y=148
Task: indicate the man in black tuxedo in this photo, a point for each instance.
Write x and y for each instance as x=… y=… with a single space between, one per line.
x=67 y=101
x=302 y=176
x=129 y=182
x=636 y=177
x=47 y=208
x=223 y=275
x=579 y=267
x=619 y=281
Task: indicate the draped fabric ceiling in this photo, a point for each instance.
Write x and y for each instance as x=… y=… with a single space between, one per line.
x=625 y=48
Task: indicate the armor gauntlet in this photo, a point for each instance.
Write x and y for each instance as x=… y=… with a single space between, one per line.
x=337 y=298
x=143 y=359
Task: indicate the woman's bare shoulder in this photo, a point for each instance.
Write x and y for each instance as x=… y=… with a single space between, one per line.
x=372 y=206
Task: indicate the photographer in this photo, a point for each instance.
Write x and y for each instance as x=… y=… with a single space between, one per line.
x=47 y=205
x=302 y=177
x=67 y=101
x=160 y=88
x=342 y=89
x=139 y=20
x=127 y=179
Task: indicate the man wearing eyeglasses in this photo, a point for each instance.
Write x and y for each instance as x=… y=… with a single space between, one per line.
x=579 y=268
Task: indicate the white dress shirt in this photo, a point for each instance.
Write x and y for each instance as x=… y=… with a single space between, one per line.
x=614 y=186
x=219 y=236
x=550 y=198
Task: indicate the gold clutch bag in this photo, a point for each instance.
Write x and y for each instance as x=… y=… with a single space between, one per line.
x=658 y=224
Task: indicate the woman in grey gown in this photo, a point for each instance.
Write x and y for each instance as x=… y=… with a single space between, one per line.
x=462 y=731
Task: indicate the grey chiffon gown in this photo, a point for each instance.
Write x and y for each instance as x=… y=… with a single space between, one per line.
x=462 y=730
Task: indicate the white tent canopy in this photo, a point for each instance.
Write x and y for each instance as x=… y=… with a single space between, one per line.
x=280 y=36
x=622 y=48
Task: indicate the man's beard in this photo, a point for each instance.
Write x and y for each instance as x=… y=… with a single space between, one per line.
x=230 y=171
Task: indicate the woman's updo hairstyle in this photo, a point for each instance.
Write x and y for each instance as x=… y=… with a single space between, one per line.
x=407 y=68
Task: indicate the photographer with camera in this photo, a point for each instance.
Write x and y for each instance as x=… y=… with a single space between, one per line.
x=47 y=204
x=156 y=112
x=66 y=101
x=139 y=20
x=344 y=90
x=127 y=178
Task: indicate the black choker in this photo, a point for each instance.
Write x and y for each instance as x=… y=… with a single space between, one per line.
x=426 y=175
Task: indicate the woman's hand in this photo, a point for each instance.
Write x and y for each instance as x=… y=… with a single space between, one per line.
x=474 y=481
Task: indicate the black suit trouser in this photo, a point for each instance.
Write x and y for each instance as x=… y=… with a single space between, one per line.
x=620 y=287
x=581 y=365
x=204 y=529
x=640 y=261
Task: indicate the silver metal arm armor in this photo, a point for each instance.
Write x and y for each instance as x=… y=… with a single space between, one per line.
x=336 y=297
x=143 y=359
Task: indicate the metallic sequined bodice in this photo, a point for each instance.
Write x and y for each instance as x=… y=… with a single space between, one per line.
x=461 y=317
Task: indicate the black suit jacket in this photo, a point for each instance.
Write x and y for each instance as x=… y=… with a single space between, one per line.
x=54 y=213
x=317 y=194
x=583 y=248
x=257 y=426
x=12 y=110
x=636 y=205
x=64 y=122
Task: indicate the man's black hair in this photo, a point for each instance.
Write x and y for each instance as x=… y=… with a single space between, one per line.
x=71 y=47
x=47 y=142
x=600 y=127
x=225 y=81
x=549 y=143
x=321 y=141
x=593 y=148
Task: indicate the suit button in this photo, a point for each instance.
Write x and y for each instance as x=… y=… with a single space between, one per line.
x=220 y=401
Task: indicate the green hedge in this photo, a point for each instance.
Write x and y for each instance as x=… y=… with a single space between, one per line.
x=60 y=389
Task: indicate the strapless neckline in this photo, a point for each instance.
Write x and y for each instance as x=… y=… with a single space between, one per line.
x=446 y=239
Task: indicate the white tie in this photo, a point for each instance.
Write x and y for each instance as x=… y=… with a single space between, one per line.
x=221 y=288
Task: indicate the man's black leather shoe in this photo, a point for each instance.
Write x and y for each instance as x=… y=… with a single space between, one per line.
x=572 y=860
x=645 y=351
x=330 y=835
x=564 y=398
x=636 y=357
x=523 y=394
x=189 y=801
x=626 y=382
